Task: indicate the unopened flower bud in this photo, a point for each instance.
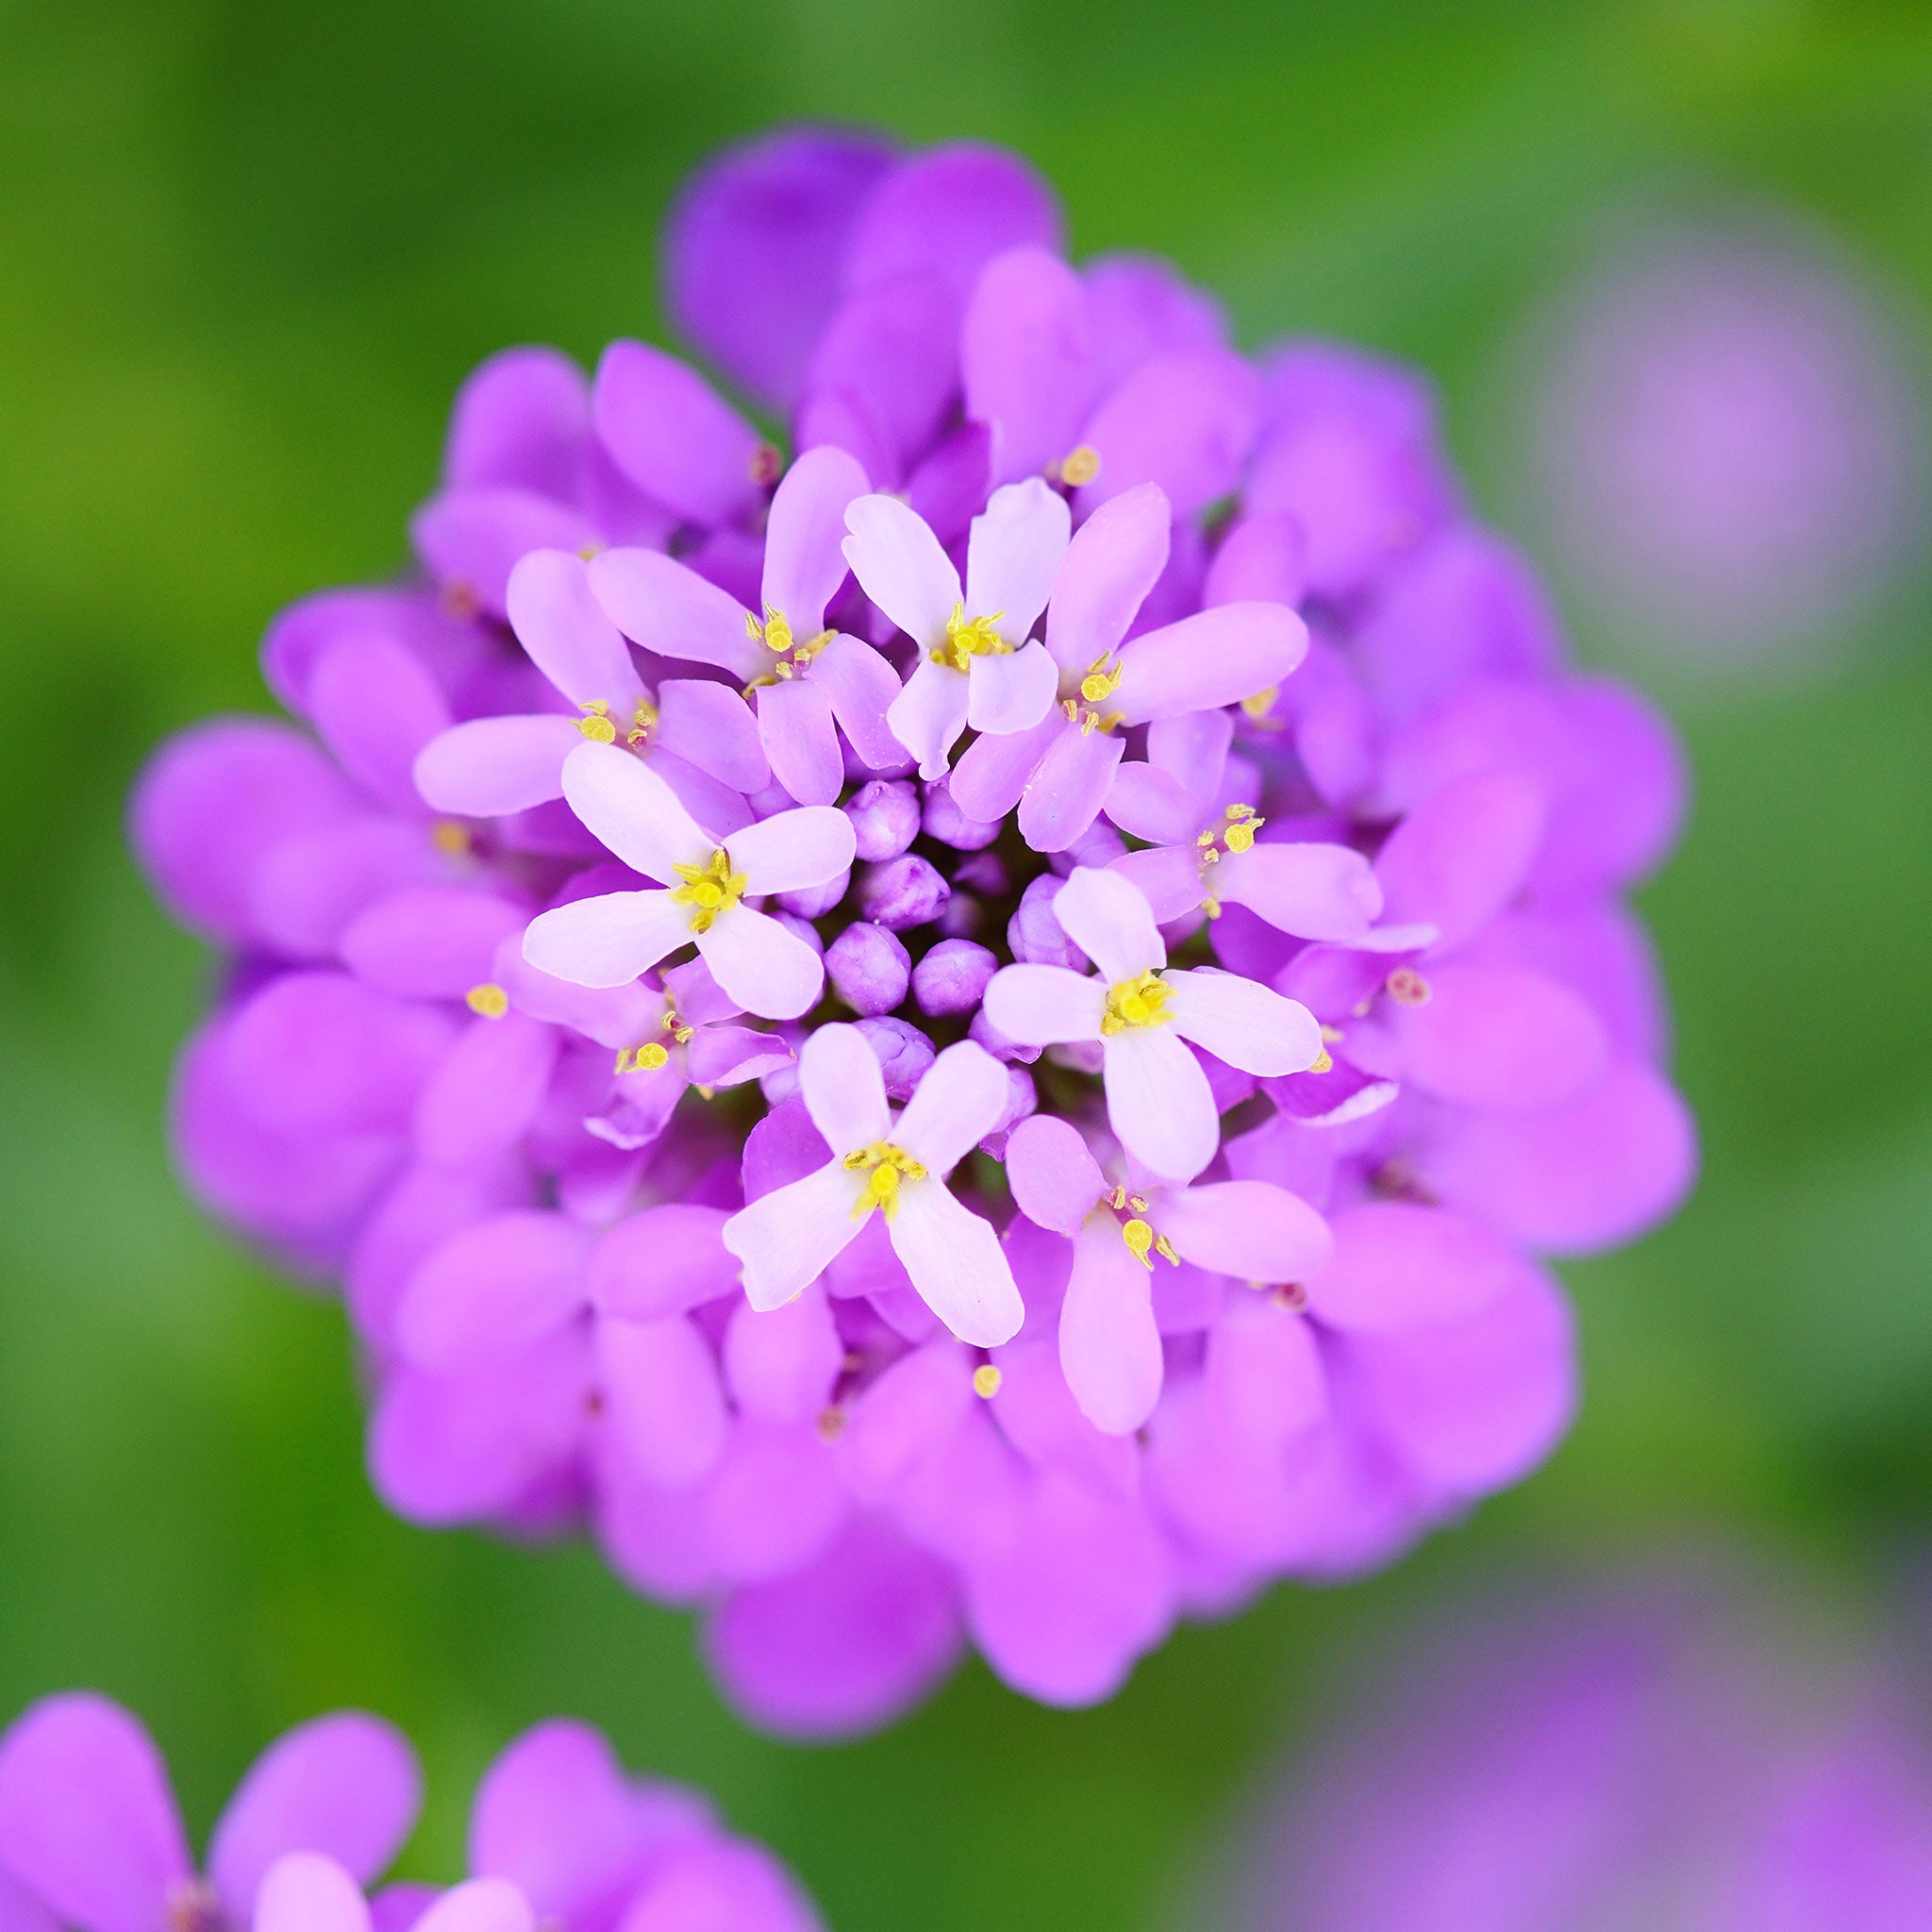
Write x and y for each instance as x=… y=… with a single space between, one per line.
x=904 y=1054
x=1021 y=1100
x=946 y=822
x=951 y=977
x=902 y=892
x=885 y=817
x=1036 y=936
x=869 y=968
x=813 y=902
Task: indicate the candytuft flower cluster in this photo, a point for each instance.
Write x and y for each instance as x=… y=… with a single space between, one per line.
x=91 y=1839
x=975 y=1030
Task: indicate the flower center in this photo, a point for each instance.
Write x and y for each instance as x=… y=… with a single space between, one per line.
x=599 y=727
x=1099 y=684
x=709 y=890
x=192 y=1905
x=1137 y=1001
x=1143 y=1242
x=775 y=633
x=970 y=638
x=884 y=1165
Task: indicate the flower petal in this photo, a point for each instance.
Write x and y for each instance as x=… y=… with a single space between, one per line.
x=1168 y=876
x=1116 y=559
x=1159 y=1102
x=959 y=1103
x=1265 y=1377
x=493 y=1290
x=791 y=849
x=887 y=365
x=804 y=562
x=1026 y=359
x=1241 y=1021
x=1462 y=854
x=1053 y=1174
x=781 y=1364
x=471 y=538
x=901 y=567
x=633 y=812
x=666 y=606
x=607 y=940
x=1186 y=419
x=566 y=633
x=305 y=1891
x=861 y=685
x=929 y=714
x=661 y=1261
x=1108 y=917
x=1215 y=658
x=992 y=773
x=843 y=1089
x=376 y=706
x=1193 y=750
x=763 y=965
x=1045 y=1006
x=1011 y=693
x=708 y=724
x=1109 y=1346
x=480 y=1905
x=661 y=1392
x=1013 y=553
x=430 y=943
x=1252 y=1230
x=1313 y=890
x=800 y=741
x=673 y=435
x=1500 y=1037
x=1398 y=1265
x=786 y=1238
x=1068 y=787
x=522 y=417
x=957 y=1264
x=490 y=767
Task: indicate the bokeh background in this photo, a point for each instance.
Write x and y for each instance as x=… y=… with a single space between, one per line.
x=246 y=252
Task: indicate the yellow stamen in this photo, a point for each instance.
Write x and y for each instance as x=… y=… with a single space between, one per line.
x=709 y=890
x=1238 y=834
x=970 y=638
x=643 y=1060
x=595 y=724
x=887 y=1165
x=775 y=633
x=1080 y=465
x=1100 y=682
x=1324 y=1062
x=450 y=837
x=986 y=1381
x=1144 y=1244
x=1259 y=706
x=643 y=721
x=488 y=1001
x=1137 y=1001
x=676 y=1028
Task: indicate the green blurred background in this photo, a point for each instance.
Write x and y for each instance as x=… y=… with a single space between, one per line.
x=246 y=253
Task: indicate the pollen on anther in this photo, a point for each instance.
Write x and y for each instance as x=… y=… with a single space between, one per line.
x=488 y=1001
x=1407 y=988
x=830 y=1424
x=986 y=1381
x=450 y=837
x=1080 y=465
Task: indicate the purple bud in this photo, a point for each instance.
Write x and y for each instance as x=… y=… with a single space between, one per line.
x=1022 y=1099
x=989 y=1036
x=984 y=873
x=952 y=977
x=869 y=968
x=946 y=822
x=806 y=930
x=902 y=892
x=1036 y=936
x=903 y=1051
x=811 y=902
x=961 y=916
x=885 y=817
x=1099 y=845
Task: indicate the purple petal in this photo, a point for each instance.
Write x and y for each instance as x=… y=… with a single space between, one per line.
x=861 y=685
x=1314 y=891
x=430 y=943
x=662 y=1397
x=1500 y=1036
x=480 y=1905
x=991 y=777
x=454 y=648
x=1026 y=359
x=470 y=539
x=377 y=707
x=345 y=1785
x=1216 y=658
x=1264 y=1374
x=673 y=436
x=479 y=1102
x=569 y=639
x=1141 y=307
x=1159 y=1104
x=950 y=486
x=1625 y=806
x=841 y=419
x=1263 y=559
x=522 y=418
x=490 y=767
x=772 y=1502
x=703 y=1883
x=1068 y=787
x=1109 y=1346
x=306 y=1891
x=781 y=1365
x=1396 y=1266
x=1249 y=1229
x=805 y=561
x=307 y=889
x=800 y=741
x=1185 y=419
x=661 y=1261
x=1055 y=1179
x=892 y=346
x=1462 y=854
x=493 y=1290
x=1115 y=559
x=21 y=1910
x=708 y=725
x=85 y=1815
x=1167 y=876
x=669 y=608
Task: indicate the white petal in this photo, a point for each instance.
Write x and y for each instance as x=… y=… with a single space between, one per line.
x=489 y=766
x=1043 y=1006
x=669 y=608
x=1159 y=1102
x=929 y=714
x=1243 y=1022
x=1313 y=890
x=791 y=849
x=1013 y=554
x=305 y=1891
x=607 y=940
x=958 y=1103
x=844 y=1091
x=901 y=566
x=1108 y=918
x=634 y=812
x=480 y=1905
x=957 y=1264
x=786 y=1238
x=764 y=966
x=566 y=633
x=1252 y=1230
x=1012 y=692
x=1109 y=1343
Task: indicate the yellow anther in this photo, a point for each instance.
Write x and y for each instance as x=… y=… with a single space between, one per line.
x=1144 y=1244
x=767 y=465
x=775 y=633
x=986 y=1381
x=596 y=724
x=1238 y=833
x=1100 y=682
x=450 y=837
x=643 y=721
x=643 y=1060
x=1139 y=1202
x=677 y=1028
x=970 y=638
x=885 y=1166
x=488 y=1001
x=1137 y=1001
x=709 y=890
x=1212 y=906
x=1332 y=1035
x=1407 y=988
x=1259 y=706
x=1324 y=1062
x=1080 y=464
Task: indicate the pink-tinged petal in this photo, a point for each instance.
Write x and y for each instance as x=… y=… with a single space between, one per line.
x=1067 y=788
x=471 y=538
x=1215 y=658
x=1575 y=1179
x=1501 y=1036
x=482 y=1099
x=804 y=560
x=993 y=771
x=1397 y=1266
x=949 y=212
x=1624 y=807
x=662 y=1397
x=1141 y=307
x=1026 y=359
x=493 y=1290
x=961 y=1099
x=661 y=1261
x=728 y=1056
x=1246 y=1024
x=1476 y=1404
x=430 y=943
x=1185 y=419
x=480 y=1905
x=345 y=1785
x=950 y=485
x=490 y=767
x=303 y=1891
x=607 y=940
x=910 y=1408
x=840 y=419
x=763 y=965
x=843 y=1090
x=666 y=606
x=1146 y=803
x=772 y=1502
x=1011 y=692
x=1109 y=1346
x=1265 y=1377
x=673 y=436
x=633 y=810
x=87 y=1819
x=1263 y=559
x=1054 y=1178
x=522 y=418
x=21 y=1910
x=800 y=741
x=714 y=804
x=1013 y=553
x=781 y=1365
x=1315 y=892
x=1114 y=560
x=1107 y=918
x=929 y=714
x=304 y=890
x=377 y=706
x=1463 y=854
x=956 y=1262
x=1045 y=1006
x=699 y=1883
x=708 y=725
x=557 y=1816
x=399 y=1906
x=1252 y=1230
x=563 y=628
x=861 y=685
x=1192 y=749
x=1159 y=1102
x=901 y=567
x=890 y=357
x=786 y=1238
x=859 y=1636
x=1167 y=876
